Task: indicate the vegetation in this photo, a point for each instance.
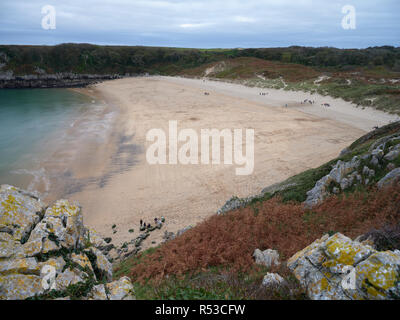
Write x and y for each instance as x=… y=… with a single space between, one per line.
x=367 y=77
x=214 y=259
x=88 y=58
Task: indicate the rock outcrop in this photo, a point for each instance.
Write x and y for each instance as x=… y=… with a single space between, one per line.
x=59 y=80
x=382 y=158
x=338 y=268
x=267 y=258
x=47 y=252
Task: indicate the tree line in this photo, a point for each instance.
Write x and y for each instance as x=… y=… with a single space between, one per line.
x=89 y=59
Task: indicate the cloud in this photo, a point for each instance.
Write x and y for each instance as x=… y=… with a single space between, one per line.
x=244 y=19
x=201 y=23
x=195 y=25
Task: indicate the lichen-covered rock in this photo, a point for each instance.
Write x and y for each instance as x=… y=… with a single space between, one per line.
x=94 y=239
x=20 y=211
x=82 y=260
x=338 y=268
x=380 y=276
x=70 y=277
x=19 y=286
x=98 y=293
x=23 y=266
x=121 y=289
x=69 y=214
x=102 y=264
x=272 y=280
x=267 y=257
x=40 y=247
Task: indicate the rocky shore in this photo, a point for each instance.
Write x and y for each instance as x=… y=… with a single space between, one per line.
x=59 y=80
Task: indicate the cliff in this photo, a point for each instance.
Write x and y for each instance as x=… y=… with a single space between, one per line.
x=58 y=80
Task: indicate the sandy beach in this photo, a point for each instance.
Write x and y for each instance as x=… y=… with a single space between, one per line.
x=288 y=140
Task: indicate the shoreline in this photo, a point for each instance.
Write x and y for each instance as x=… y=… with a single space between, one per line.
x=285 y=144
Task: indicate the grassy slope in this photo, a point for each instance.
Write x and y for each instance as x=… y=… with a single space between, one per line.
x=213 y=260
x=366 y=86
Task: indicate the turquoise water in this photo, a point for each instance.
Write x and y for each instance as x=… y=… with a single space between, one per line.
x=35 y=124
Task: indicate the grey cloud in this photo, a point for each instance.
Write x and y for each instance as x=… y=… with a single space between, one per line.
x=202 y=23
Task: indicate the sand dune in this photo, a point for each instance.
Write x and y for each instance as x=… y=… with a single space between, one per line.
x=287 y=141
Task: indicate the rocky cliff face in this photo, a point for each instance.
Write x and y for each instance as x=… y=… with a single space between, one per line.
x=48 y=253
x=59 y=80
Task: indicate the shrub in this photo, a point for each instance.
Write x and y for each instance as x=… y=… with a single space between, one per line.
x=229 y=240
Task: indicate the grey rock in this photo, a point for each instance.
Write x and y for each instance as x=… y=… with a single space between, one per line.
x=345 y=183
x=389 y=178
x=374 y=161
x=272 y=280
x=322 y=269
x=267 y=257
x=390 y=156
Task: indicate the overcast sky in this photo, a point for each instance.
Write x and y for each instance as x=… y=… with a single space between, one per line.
x=202 y=23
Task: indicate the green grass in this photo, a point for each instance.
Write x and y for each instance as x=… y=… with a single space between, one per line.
x=305 y=181
x=215 y=283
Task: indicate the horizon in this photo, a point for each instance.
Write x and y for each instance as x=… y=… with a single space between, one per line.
x=207 y=24
x=191 y=48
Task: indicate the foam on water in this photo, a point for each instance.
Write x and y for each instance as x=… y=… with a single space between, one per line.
x=45 y=133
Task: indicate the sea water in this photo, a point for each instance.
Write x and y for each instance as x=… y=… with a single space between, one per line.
x=41 y=131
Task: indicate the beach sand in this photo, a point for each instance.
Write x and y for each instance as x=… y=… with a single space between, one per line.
x=288 y=140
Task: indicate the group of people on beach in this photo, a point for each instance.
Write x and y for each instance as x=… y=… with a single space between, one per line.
x=263 y=93
x=146 y=226
x=309 y=101
x=313 y=102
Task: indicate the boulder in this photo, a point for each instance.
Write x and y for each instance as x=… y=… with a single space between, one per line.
x=19 y=286
x=389 y=178
x=20 y=211
x=267 y=257
x=390 y=156
x=121 y=289
x=319 y=192
x=272 y=280
x=338 y=268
